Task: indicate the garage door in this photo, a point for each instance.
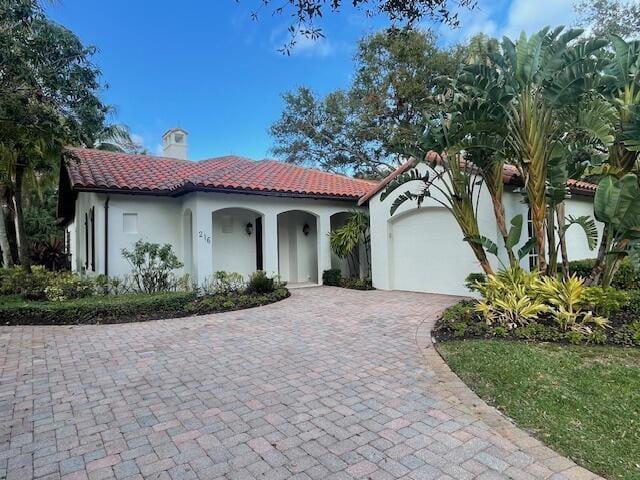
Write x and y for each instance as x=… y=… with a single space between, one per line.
x=427 y=253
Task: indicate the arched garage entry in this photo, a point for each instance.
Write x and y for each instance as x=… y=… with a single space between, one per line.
x=427 y=252
x=237 y=241
x=298 y=247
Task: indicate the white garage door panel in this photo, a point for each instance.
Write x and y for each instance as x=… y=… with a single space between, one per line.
x=428 y=254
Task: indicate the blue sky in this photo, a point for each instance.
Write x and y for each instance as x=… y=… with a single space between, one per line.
x=205 y=66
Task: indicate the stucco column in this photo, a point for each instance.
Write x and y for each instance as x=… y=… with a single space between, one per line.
x=270 y=243
x=324 y=246
x=202 y=242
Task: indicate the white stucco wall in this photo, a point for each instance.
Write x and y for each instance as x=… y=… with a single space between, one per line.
x=162 y=220
x=233 y=249
x=297 y=252
x=422 y=249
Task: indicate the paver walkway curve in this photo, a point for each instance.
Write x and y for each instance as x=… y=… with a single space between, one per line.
x=329 y=383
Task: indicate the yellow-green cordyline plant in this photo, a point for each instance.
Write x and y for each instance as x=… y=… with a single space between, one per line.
x=514 y=297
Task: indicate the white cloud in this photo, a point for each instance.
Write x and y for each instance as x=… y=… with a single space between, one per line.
x=318 y=47
x=479 y=20
x=530 y=16
x=498 y=18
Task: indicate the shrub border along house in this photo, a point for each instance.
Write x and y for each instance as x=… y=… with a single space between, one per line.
x=103 y=309
x=333 y=278
x=42 y=297
x=460 y=322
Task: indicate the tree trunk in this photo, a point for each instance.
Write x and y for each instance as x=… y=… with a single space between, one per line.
x=539 y=231
x=498 y=211
x=552 y=266
x=23 y=242
x=560 y=214
x=598 y=268
x=481 y=255
x=7 y=258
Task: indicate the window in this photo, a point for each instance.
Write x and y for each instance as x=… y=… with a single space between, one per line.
x=533 y=253
x=86 y=240
x=130 y=222
x=93 y=239
x=178 y=138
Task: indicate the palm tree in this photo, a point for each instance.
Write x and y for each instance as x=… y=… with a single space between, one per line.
x=534 y=82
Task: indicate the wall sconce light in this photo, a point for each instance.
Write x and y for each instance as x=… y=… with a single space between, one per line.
x=249 y=228
x=306 y=229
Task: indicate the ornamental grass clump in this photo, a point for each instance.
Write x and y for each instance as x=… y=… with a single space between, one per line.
x=514 y=298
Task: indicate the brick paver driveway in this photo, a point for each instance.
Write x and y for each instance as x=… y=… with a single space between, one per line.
x=329 y=383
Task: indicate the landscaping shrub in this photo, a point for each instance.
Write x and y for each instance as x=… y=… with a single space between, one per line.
x=234 y=301
x=462 y=320
x=223 y=282
x=259 y=282
x=152 y=266
x=50 y=254
x=127 y=308
x=332 y=277
x=626 y=278
x=514 y=298
x=356 y=283
x=96 y=309
x=472 y=280
x=66 y=286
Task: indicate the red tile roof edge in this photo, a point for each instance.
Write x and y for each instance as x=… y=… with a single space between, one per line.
x=510 y=177
x=104 y=171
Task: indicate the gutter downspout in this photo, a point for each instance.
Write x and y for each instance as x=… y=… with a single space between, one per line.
x=106 y=237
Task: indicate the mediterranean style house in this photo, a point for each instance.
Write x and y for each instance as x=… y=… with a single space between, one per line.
x=238 y=215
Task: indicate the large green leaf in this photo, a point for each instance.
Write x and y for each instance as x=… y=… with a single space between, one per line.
x=411 y=176
x=614 y=196
x=515 y=232
x=405 y=197
x=527 y=248
x=488 y=244
x=588 y=226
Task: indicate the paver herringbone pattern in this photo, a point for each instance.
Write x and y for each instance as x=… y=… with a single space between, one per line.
x=329 y=383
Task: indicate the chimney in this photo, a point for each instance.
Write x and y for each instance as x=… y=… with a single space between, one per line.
x=174 y=143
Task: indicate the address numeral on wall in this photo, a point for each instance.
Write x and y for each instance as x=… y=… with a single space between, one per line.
x=204 y=237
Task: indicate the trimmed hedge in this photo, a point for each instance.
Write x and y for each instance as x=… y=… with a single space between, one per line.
x=460 y=321
x=334 y=278
x=233 y=301
x=626 y=278
x=126 y=308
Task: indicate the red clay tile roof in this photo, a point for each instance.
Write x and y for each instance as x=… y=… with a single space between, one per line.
x=510 y=176
x=99 y=170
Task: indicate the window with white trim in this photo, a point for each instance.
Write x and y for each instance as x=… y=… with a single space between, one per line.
x=130 y=222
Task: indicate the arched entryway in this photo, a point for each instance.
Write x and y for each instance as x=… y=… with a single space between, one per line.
x=237 y=241
x=298 y=247
x=187 y=242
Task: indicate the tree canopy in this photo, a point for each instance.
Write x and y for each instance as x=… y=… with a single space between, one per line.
x=609 y=17
x=359 y=130
x=306 y=13
x=49 y=90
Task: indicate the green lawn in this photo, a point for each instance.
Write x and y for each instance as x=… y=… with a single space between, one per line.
x=584 y=402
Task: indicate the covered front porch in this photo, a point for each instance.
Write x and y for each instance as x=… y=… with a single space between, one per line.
x=244 y=233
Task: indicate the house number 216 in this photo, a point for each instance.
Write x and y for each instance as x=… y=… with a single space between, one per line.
x=204 y=237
